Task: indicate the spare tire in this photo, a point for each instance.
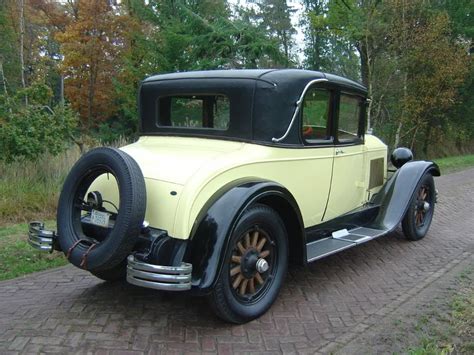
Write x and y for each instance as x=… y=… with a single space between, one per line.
x=81 y=250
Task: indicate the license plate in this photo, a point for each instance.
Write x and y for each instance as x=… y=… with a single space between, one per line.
x=100 y=218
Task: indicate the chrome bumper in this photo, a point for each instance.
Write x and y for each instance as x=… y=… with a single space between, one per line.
x=40 y=238
x=159 y=277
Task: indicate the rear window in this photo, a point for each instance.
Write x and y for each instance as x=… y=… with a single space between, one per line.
x=194 y=111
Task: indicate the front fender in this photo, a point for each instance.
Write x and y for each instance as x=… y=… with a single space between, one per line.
x=395 y=196
x=209 y=240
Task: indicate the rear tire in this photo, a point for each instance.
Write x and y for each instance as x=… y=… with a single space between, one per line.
x=419 y=215
x=244 y=291
x=117 y=273
x=103 y=256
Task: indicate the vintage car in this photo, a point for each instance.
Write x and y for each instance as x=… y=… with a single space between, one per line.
x=236 y=174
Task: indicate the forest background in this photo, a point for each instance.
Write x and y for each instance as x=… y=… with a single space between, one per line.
x=69 y=70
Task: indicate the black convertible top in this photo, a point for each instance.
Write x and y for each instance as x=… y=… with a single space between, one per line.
x=274 y=76
x=262 y=100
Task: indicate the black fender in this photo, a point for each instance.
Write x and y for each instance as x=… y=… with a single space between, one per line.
x=395 y=196
x=210 y=237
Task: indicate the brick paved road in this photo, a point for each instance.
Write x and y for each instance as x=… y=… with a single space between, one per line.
x=321 y=307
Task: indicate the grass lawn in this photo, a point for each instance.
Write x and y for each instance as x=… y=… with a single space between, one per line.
x=450 y=328
x=455 y=163
x=18 y=258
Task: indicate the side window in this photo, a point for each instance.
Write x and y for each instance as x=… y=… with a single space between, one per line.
x=315 y=114
x=349 y=118
x=194 y=111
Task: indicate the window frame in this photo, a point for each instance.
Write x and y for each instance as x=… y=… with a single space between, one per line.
x=329 y=123
x=361 y=124
x=183 y=95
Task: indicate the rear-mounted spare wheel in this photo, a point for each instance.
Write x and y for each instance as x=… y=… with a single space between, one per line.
x=95 y=234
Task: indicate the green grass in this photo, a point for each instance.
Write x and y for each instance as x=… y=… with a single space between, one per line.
x=450 y=331
x=30 y=190
x=455 y=163
x=18 y=258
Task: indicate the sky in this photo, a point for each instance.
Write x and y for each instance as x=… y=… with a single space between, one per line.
x=295 y=20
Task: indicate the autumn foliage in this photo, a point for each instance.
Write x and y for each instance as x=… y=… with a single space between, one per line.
x=77 y=64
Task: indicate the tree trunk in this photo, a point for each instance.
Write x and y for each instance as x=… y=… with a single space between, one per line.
x=397 y=134
x=4 y=82
x=426 y=142
x=364 y=62
x=22 y=40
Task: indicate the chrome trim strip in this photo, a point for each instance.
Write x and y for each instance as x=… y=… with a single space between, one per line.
x=150 y=276
x=39 y=246
x=297 y=109
x=184 y=268
x=332 y=252
x=159 y=277
x=158 y=285
x=40 y=238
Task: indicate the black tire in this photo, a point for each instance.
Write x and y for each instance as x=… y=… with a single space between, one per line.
x=118 y=244
x=417 y=219
x=261 y=224
x=117 y=273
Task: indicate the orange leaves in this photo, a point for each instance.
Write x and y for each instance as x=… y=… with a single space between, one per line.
x=92 y=44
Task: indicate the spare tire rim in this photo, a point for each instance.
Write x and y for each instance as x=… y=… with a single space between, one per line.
x=80 y=203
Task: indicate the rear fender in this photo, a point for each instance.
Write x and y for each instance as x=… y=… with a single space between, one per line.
x=395 y=196
x=209 y=239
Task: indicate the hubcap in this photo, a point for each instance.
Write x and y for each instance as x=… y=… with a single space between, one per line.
x=426 y=206
x=261 y=265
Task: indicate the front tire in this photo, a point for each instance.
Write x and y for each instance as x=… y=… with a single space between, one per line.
x=419 y=215
x=255 y=266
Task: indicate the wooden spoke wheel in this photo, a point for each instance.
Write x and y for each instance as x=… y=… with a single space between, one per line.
x=418 y=217
x=255 y=266
x=251 y=261
x=422 y=205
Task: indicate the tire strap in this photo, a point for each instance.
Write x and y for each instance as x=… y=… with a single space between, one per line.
x=76 y=243
x=84 y=257
x=83 y=263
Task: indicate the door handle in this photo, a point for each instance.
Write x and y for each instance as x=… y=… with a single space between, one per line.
x=339 y=151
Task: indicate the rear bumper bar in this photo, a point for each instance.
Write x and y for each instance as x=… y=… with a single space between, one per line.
x=159 y=277
x=40 y=238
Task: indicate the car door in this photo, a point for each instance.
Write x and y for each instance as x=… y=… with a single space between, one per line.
x=348 y=178
x=316 y=132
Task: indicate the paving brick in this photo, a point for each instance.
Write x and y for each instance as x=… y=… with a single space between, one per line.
x=67 y=310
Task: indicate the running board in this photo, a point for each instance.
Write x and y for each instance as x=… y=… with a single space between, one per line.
x=340 y=240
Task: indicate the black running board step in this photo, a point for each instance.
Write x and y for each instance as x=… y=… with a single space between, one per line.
x=341 y=240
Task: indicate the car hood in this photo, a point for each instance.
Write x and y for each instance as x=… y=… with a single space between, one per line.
x=177 y=159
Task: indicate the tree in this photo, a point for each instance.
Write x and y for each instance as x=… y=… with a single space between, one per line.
x=274 y=18
x=92 y=43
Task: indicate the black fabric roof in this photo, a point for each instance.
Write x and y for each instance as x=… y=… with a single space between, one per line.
x=274 y=76
x=263 y=101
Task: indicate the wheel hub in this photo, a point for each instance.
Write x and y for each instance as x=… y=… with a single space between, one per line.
x=249 y=263
x=426 y=206
x=261 y=265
